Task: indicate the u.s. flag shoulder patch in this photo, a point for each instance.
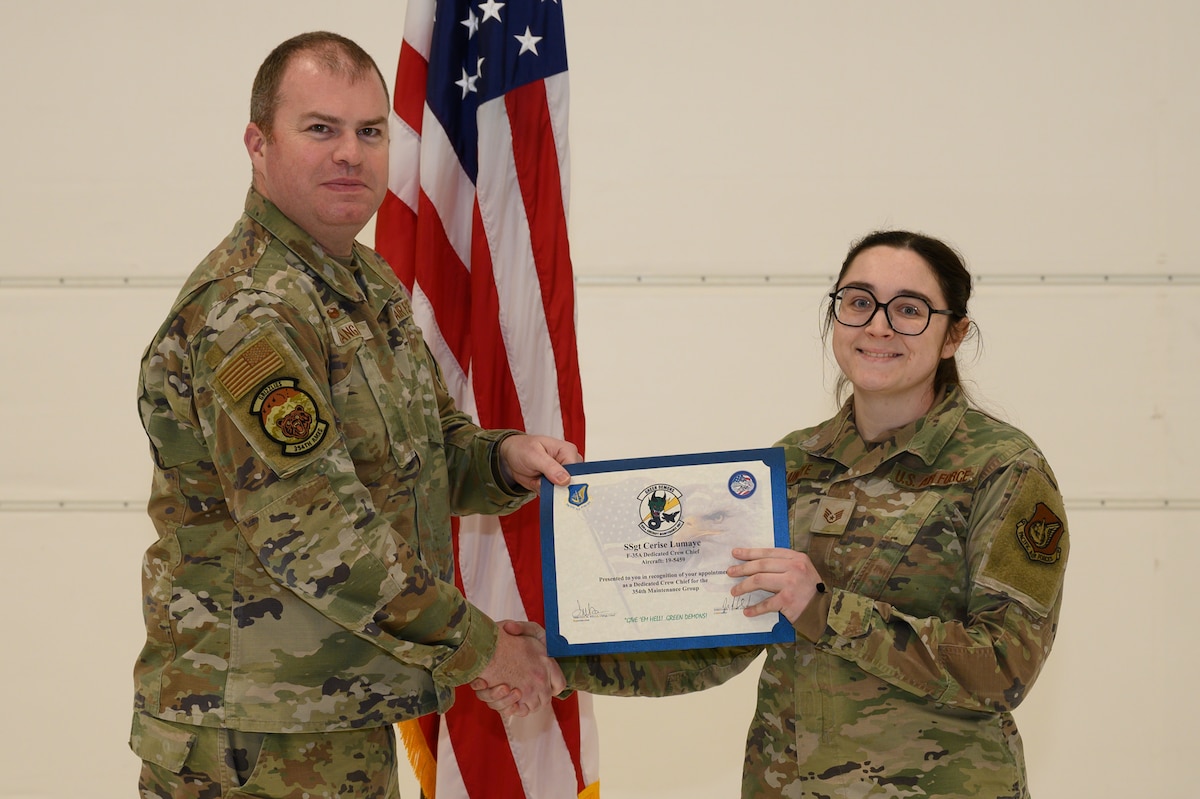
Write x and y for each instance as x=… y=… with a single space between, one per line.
x=266 y=388
x=249 y=367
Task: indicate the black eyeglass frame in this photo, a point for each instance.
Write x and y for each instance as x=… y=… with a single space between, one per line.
x=887 y=312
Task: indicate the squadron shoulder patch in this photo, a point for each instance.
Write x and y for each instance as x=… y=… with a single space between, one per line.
x=289 y=416
x=1040 y=534
x=1028 y=552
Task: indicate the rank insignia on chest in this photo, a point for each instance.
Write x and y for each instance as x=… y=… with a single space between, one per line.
x=831 y=516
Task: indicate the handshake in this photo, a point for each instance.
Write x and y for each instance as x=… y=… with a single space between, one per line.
x=520 y=677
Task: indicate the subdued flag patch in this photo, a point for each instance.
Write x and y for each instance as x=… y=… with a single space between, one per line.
x=249 y=368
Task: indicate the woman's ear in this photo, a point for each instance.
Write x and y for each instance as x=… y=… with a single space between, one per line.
x=955 y=334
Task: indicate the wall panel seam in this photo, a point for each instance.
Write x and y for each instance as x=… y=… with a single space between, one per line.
x=17 y=282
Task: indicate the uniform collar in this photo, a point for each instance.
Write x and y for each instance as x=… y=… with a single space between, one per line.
x=838 y=438
x=379 y=283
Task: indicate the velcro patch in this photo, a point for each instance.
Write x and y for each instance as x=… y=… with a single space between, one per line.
x=1028 y=555
x=250 y=367
x=266 y=388
x=831 y=516
x=810 y=471
x=346 y=331
x=289 y=416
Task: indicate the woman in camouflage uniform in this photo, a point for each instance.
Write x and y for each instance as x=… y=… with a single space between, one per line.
x=925 y=573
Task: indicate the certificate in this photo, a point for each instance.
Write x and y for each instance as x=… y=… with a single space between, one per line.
x=635 y=552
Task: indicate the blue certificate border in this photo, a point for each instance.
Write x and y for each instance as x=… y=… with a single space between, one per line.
x=558 y=646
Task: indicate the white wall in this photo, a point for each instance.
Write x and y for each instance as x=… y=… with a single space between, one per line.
x=1055 y=144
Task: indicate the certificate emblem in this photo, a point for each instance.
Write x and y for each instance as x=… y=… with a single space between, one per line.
x=742 y=485
x=661 y=510
x=577 y=494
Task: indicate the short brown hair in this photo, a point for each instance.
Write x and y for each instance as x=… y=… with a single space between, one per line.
x=339 y=55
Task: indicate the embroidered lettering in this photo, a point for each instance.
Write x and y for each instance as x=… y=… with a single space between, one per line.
x=909 y=479
x=347 y=331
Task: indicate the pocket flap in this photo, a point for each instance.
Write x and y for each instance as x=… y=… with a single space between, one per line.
x=159 y=742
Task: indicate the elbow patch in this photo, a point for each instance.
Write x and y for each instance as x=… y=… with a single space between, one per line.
x=1028 y=553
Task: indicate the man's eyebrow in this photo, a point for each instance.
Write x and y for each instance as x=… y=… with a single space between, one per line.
x=333 y=120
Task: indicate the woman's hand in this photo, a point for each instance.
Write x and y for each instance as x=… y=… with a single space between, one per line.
x=789 y=575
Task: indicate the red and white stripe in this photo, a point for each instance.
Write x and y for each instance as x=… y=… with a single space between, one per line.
x=489 y=271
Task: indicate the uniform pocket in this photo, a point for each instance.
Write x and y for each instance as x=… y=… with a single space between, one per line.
x=360 y=413
x=160 y=742
x=872 y=575
x=921 y=565
x=245 y=752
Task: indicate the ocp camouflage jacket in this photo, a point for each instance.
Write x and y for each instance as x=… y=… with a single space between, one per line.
x=944 y=548
x=307 y=460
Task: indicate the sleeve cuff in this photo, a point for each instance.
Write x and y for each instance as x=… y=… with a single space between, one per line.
x=850 y=614
x=812 y=621
x=473 y=654
x=499 y=473
x=838 y=613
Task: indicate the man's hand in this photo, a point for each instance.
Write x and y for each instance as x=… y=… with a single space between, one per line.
x=520 y=677
x=525 y=458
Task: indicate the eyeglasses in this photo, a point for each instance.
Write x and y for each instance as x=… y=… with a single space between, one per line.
x=907 y=315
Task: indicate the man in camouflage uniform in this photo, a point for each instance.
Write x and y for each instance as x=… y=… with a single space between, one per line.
x=300 y=600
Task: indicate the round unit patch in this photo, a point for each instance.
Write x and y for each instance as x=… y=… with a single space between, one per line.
x=289 y=416
x=742 y=485
x=661 y=510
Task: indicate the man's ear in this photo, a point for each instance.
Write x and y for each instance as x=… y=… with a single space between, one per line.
x=256 y=142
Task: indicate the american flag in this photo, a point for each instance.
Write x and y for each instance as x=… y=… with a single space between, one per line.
x=475 y=226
